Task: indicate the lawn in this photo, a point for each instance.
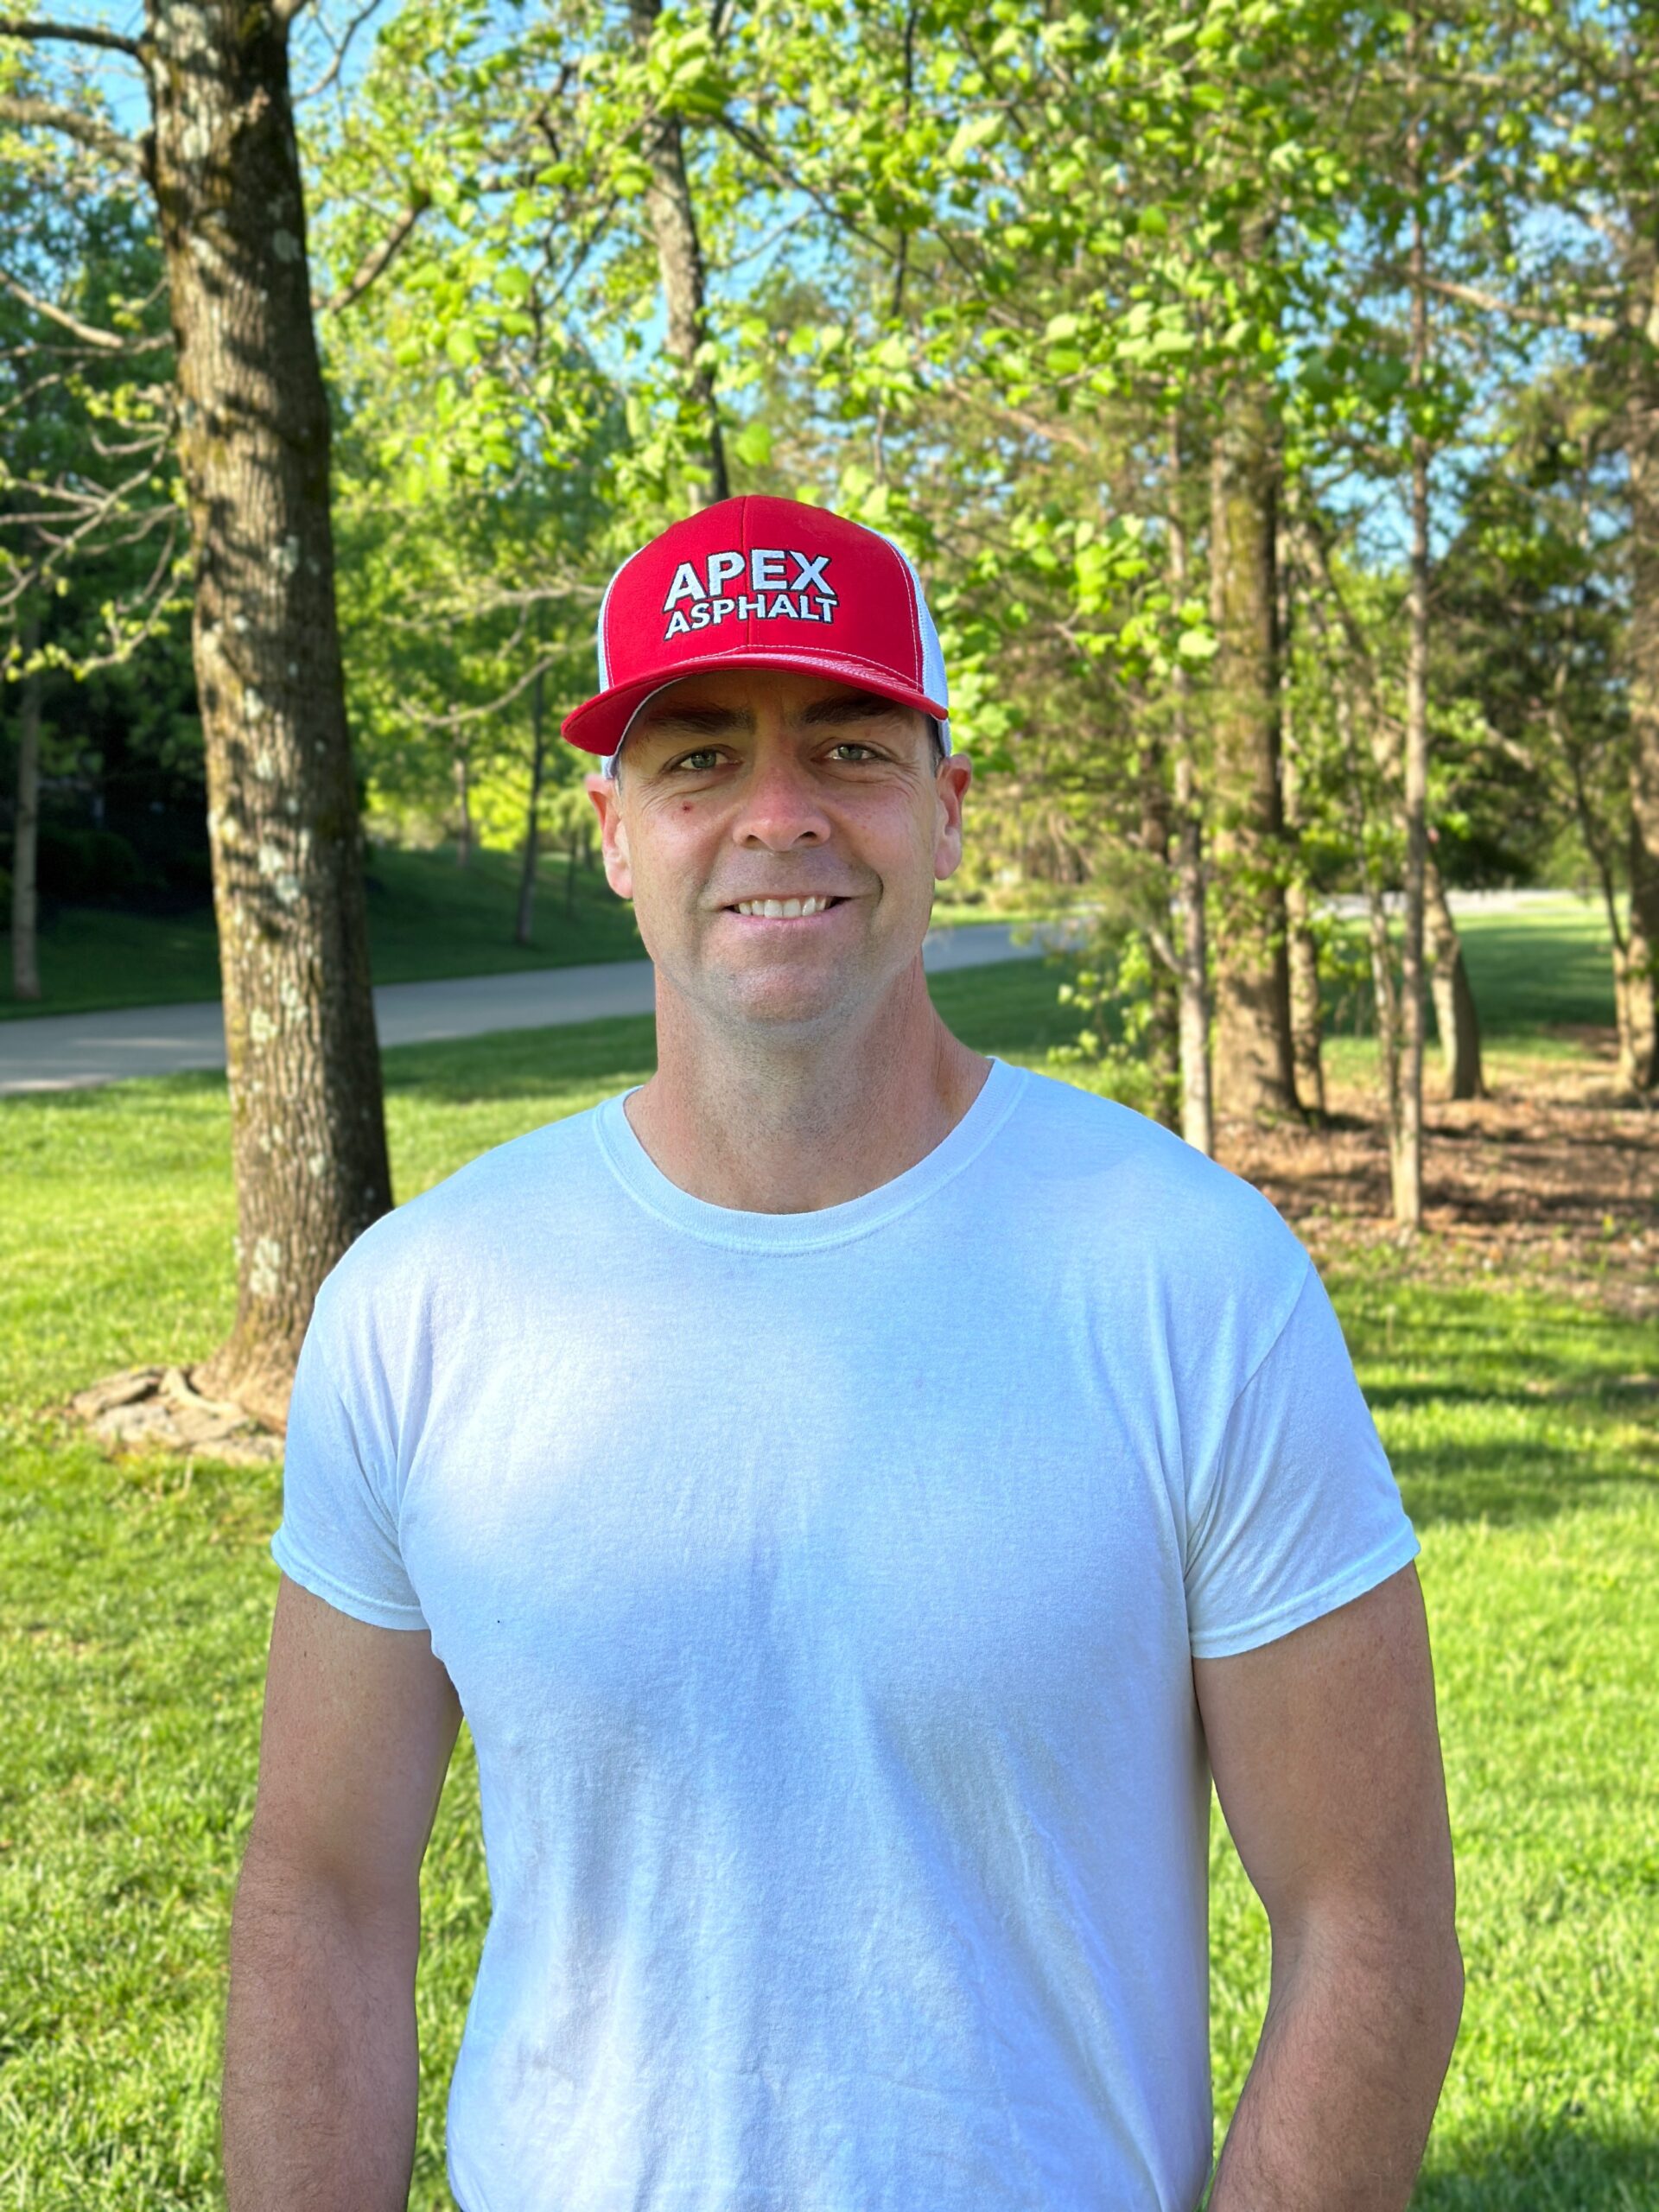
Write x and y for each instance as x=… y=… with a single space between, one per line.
x=137 y=1595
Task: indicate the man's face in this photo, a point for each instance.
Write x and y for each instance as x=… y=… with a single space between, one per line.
x=757 y=785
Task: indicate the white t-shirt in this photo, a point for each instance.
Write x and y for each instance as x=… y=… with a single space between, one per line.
x=822 y=1591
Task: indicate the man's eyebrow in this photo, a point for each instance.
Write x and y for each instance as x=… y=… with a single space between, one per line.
x=859 y=707
x=698 y=721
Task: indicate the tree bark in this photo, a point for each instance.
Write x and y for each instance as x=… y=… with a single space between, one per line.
x=679 y=260
x=1307 y=1004
x=1640 y=979
x=307 y=1130
x=25 y=844
x=1406 y=1158
x=1383 y=990
x=1254 y=1064
x=1456 y=1015
x=463 y=811
x=1193 y=1017
x=532 y=817
x=1163 y=1021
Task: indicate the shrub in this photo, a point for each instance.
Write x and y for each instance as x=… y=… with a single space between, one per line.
x=84 y=864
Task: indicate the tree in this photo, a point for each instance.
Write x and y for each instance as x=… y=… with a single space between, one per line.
x=1255 y=1064
x=308 y=1130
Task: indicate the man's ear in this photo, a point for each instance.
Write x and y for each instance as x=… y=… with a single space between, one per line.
x=612 y=836
x=956 y=774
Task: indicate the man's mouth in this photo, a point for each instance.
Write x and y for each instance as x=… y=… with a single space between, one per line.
x=781 y=910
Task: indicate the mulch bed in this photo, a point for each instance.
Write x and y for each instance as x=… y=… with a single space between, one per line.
x=1553 y=1176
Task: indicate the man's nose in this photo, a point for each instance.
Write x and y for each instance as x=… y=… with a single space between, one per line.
x=780 y=808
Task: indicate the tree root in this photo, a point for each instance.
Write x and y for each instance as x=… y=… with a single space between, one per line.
x=159 y=1409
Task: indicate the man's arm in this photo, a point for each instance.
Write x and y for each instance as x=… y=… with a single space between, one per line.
x=1327 y=1764
x=320 y=2068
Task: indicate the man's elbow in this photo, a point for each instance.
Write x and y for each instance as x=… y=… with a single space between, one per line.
x=1449 y=1987
x=1394 y=1962
x=1427 y=1971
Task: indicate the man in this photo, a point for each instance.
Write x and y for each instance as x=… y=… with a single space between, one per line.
x=856 y=1493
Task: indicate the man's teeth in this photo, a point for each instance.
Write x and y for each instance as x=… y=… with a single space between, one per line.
x=782 y=910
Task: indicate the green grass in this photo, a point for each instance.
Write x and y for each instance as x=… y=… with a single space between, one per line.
x=1532 y=971
x=135 y=1597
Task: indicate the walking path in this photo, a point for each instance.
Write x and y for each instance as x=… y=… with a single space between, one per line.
x=69 y=1052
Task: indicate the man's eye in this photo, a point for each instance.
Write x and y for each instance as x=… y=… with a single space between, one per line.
x=699 y=762
x=850 y=745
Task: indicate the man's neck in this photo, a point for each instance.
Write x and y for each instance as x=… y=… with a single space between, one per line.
x=770 y=1126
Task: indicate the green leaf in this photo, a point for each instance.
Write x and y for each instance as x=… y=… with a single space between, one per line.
x=753 y=445
x=970 y=135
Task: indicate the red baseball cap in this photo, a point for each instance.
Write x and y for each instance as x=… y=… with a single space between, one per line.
x=756 y=582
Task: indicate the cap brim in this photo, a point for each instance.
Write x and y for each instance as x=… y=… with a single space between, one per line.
x=597 y=726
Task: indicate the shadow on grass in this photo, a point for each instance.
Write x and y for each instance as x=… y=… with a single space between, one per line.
x=1508 y=1484
x=137 y=1091
x=1562 y=2167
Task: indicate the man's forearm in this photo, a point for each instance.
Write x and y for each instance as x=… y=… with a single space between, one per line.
x=1336 y=2113
x=320 y=2063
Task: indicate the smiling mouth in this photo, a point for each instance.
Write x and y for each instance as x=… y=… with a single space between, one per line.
x=781 y=910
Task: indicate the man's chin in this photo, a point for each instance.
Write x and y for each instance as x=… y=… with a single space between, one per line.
x=780 y=1003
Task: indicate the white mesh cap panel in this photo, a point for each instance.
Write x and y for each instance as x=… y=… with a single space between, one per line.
x=932 y=654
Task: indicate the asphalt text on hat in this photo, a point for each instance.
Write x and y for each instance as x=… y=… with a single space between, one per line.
x=756 y=582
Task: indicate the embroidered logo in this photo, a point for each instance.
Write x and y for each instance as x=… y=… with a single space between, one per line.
x=698 y=599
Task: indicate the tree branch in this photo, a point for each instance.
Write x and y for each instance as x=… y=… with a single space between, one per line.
x=46 y=115
x=34 y=29
x=105 y=341
x=377 y=258
x=1585 y=326
x=322 y=83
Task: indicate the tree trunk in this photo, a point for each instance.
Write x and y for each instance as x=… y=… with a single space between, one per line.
x=532 y=821
x=1306 y=1006
x=1641 y=965
x=1407 y=1159
x=1198 y=1124
x=1254 y=1066
x=1455 y=1013
x=1193 y=1017
x=1306 y=1000
x=1376 y=922
x=679 y=260
x=25 y=844
x=308 y=1130
x=1163 y=1019
x=464 y=811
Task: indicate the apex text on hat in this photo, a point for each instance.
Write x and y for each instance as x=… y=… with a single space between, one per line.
x=771 y=593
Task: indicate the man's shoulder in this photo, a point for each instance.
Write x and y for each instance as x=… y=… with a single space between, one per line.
x=1103 y=1172
x=512 y=1200
x=1077 y=1135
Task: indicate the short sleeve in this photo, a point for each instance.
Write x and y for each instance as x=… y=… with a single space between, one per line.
x=1298 y=1511
x=339 y=1532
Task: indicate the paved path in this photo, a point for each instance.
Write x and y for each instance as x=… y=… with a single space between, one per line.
x=67 y=1052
